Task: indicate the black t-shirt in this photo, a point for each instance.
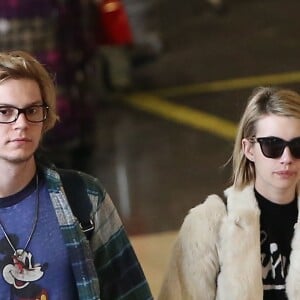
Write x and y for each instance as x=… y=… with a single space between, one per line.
x=276 y=232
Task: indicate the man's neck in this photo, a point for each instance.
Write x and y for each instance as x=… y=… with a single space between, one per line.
x=14 y=177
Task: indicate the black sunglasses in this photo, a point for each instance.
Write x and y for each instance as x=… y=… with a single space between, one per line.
x=273 y=147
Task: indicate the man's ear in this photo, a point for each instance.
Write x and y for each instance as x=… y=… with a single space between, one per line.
x=248 y=149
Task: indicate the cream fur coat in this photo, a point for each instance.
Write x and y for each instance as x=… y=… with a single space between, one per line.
x=217 y=253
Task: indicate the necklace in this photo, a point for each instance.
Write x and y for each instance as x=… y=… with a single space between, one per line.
x=18 y=253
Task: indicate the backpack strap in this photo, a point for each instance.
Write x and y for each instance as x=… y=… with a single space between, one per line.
x=78 y=199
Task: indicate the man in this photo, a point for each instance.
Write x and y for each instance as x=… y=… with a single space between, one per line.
x=43 y=252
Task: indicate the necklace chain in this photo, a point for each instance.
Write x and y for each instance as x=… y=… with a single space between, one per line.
x=34 y=222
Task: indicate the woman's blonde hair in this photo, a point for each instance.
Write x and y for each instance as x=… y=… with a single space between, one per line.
x=263 y=101
x=21 y=65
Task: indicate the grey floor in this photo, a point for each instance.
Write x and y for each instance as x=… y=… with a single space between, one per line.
x=156 y=169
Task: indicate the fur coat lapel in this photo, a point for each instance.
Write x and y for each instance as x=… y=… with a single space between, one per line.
x=239 y=248
x=293 y=277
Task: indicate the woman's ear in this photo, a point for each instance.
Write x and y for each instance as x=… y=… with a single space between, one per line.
x=248 y=149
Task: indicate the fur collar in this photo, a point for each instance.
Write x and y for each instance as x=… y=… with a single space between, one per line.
x=223 y=242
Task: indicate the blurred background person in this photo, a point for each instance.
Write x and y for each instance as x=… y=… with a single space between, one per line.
x=89 y=46
x=59 y=33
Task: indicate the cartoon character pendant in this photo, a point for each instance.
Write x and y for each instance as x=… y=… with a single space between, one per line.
x=22 y=272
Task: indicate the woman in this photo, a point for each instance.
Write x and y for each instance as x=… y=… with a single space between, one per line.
x=247 y=246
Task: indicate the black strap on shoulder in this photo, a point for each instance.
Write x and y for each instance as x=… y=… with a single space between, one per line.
x=78 y=199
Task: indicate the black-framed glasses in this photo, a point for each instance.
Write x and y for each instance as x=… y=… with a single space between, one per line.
x=34 y=113
x=273 y=147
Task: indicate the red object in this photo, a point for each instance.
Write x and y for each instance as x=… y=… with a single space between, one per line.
x=114 y=24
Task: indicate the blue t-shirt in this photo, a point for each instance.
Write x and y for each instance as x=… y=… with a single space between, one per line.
x=43 y=271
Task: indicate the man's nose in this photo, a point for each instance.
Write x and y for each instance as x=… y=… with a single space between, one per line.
x=21 y=118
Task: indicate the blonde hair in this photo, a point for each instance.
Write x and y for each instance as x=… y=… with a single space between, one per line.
x=21 y=65
x=263 y=101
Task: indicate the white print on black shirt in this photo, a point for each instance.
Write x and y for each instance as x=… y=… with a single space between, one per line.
x=274 y=266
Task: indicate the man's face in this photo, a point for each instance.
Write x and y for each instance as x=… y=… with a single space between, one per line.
x=20 y=139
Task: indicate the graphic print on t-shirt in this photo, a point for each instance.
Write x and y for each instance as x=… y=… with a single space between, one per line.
x=274 y=264
x=21 y=272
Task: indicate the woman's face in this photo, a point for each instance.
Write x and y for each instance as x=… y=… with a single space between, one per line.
x=276 y=178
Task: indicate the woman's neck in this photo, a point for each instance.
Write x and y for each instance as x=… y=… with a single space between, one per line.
x=278 y=196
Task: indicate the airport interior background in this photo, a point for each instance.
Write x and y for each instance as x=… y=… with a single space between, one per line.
x=159 y=124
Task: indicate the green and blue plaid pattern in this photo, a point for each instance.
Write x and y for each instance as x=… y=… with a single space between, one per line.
x=107 y=267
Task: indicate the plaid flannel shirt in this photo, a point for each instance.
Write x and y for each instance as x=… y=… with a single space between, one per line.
x=106 y=267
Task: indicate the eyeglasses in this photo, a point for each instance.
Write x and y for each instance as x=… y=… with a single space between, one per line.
x=273 y=147
x=33 y=113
